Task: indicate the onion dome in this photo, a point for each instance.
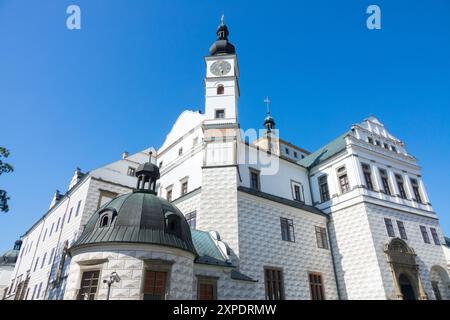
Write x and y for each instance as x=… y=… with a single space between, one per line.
x=222 y=45
x=10 y=257
x=139 y=217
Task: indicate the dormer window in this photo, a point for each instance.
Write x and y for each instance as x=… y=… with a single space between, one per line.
x=104 y=222
x=393 y=148
x=370 y=140
x=378 y=143
x=107 y=218
x=173 y=223
x=220 y=89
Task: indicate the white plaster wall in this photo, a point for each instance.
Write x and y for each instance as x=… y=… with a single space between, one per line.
x=128 y=262
x=276 y=182
x=218 y=204
x=260 y=245
x=428 y=254
x=356 y=262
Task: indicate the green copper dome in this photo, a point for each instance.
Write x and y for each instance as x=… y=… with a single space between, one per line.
x=138 y=217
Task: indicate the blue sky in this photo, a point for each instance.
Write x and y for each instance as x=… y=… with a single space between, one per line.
x=80 y=98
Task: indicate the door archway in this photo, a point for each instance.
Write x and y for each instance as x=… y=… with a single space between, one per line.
x=405 y=270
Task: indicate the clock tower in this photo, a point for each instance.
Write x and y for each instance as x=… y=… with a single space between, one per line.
x=221 y=82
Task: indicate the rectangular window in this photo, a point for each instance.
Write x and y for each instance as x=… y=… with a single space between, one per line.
x=57 y=224
x=323 y=187
x=34 y=292
x=401 y=186
x=386 y=146
x=321 y=237
x=89 y=285
x=389 y=227
x=402 y=230
x=70 y=215
x=370 y=140
x=207 y=289
x=385 y=182
x=184 y=188
x=169 y=195
x=36 y=264
x=192 y=219
x=435 y=236
x=155 y=285
x=416 y=191
x=287 y=151
x=297 y=191
x=131 y=171
x=43 y=260
x=393 y=148
x=378 y=143
x=316 y=286
x=367 y=176
x=424 y=233
x=220 y=114
x=295 y=154
x=51 y=256
x=38 y=294
x=273 y=279
x=180 y=151
x=78 y=208
x=254 y=179
x=343 y=180
x=287 y=229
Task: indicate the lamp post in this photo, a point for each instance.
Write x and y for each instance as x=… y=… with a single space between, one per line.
x=113 y=277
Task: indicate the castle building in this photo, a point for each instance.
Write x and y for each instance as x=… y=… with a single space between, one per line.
x=215 y=215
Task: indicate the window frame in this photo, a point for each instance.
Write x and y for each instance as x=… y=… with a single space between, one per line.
x=321 y=237
x=324 y=190
x=220 y=90
x=253 y=171
x=389 y=227
x=425 y=236
x=157 y=265
x=367 y=173
x=274 y=286
x=384 y=176
x=288 y=233
x=402 y=230
x=341 y=172
x=201 y=279
x=416 y=190
x=401 y=186
x=131 y=171
x=301 y=193
x=316 y=288
x=219 y=111
x=435 y=236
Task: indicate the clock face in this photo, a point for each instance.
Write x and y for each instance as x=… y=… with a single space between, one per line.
x=220 y=68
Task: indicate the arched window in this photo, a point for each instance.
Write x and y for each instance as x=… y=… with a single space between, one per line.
x=220 y=89
x=104 y=221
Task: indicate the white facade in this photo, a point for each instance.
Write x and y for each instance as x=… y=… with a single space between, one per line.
x=337 y=203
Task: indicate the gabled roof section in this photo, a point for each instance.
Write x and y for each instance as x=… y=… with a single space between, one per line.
x=186 y=121
x=326 y=152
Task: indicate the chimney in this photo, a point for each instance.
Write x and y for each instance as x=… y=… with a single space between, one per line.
x=125 y=155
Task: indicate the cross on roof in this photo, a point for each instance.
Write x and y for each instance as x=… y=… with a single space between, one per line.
x=267 y=102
